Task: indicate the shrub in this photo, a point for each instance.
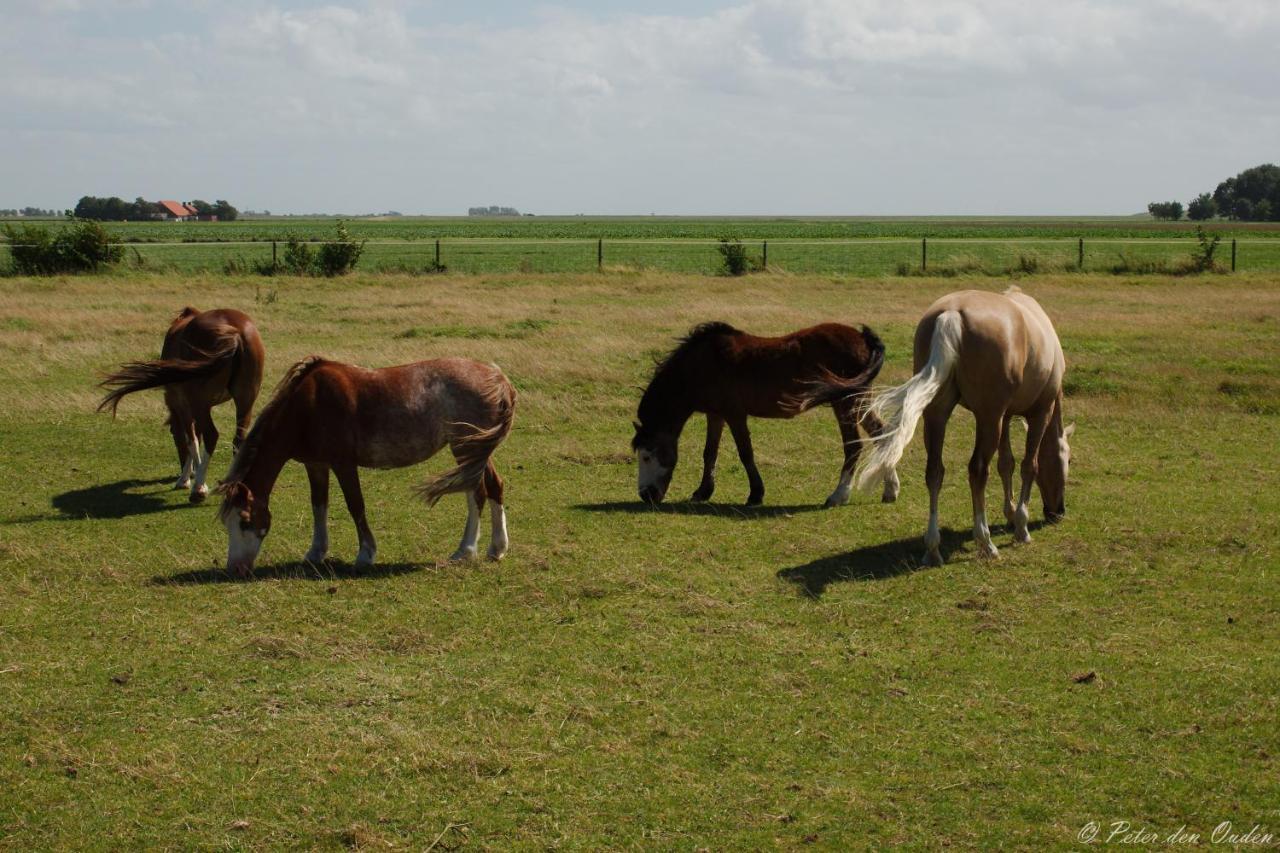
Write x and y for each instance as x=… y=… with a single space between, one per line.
x=734 y=257
x=339 y=256
x=1202 y=255
x=83 y=246
x=298 y=258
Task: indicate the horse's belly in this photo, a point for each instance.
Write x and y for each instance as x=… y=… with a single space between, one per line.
x=397 y=451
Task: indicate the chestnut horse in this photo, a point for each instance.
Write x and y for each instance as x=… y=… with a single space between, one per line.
x=998 y=356
x=208 y=357
x=333 y=416
x=730 y=375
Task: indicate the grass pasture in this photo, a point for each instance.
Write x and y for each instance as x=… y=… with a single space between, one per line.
x=684 y=677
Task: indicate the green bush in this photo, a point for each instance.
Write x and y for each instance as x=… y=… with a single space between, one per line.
x=83 y=246
x=339 y=256
x=735 y=259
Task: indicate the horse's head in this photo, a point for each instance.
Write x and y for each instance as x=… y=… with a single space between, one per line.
x=656 y=452
x=1053 y=465
x=248 y=520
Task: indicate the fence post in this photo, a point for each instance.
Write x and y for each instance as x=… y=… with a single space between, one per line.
x=924 y=253
x=1080 y=257
x=437 y=253
x=273 y=254
x=1233 y=254
x=764 y=256
x=600 y=254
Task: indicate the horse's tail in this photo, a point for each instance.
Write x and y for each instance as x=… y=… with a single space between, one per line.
x=830 y=387
x=141 y=375
x=900 y=407
x=474 y=449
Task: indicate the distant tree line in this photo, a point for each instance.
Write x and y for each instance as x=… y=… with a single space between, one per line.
x=30 y=211
x=114 y=209
x=1251 y=196
x=492 y=210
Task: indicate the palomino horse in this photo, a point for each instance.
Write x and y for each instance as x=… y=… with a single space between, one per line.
x=333 y=416
x=731 y=375
x=208 y=357
x=998 y=356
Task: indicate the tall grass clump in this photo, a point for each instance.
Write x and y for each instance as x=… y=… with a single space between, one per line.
x=734 y=258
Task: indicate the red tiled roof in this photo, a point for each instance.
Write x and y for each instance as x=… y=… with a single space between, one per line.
x=176 y=208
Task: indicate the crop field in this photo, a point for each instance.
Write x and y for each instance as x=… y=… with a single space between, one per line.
x=690 y=676
x=832 y=245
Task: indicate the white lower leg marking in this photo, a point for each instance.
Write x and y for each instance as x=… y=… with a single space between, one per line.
x=319 y=534
x=498 y=540
x=184 y=476
x=1020 y=518
x=891 y=487
x=844 y=488
x=467 y=547
x=200 y=464
x=982 y=536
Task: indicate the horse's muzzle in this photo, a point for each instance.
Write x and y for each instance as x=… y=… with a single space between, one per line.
x=1053 y=516
x=652 y=495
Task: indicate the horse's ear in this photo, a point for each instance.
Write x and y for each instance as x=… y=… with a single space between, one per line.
x=1070 y=430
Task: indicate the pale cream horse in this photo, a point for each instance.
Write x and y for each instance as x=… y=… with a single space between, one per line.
x=999 y=357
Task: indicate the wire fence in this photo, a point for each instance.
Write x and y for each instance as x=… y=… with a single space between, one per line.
x=861 y=257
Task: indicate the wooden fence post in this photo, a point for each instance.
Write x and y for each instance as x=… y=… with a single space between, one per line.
x=600 y=254
x=1080 y=257
x=1233 y=254
x=273 y=254
x=764 y=256
x=924 y=253
x=437 y=254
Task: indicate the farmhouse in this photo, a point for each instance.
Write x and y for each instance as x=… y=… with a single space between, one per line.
x=176 y=211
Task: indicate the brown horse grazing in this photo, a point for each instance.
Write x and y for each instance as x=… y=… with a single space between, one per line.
x=333 y=416
x=730 y=376
x=208 y=357
x=998 y=356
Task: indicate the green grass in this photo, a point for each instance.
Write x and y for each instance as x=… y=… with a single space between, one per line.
x=684 y=677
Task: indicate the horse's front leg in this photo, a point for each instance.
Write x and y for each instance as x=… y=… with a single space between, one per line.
x=318 y=476
x=349 y=479
x=846 y=417
x=742 y=438
x=715 y=427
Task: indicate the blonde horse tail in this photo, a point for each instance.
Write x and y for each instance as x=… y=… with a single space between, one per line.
x=475 y=447
x=900 y=407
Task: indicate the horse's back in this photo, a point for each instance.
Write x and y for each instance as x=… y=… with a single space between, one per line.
x=1008 y=347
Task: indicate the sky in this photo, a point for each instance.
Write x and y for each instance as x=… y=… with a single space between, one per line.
x=786 y=107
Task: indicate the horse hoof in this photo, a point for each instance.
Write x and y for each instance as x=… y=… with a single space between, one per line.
x=988 y=552
x=315 y=558
x=699 y=497
x=1022 y=537
x=755 y=500
x=181 y=485
x=463 y=555
x=198 y=496
x=932 y=558
x=833 y=502
x=494 y=556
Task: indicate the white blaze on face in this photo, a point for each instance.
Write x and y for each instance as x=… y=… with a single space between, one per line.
x=242 y=545
x=651 y=475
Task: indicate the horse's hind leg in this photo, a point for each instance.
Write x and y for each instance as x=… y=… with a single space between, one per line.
x=1005 y=464
x=847 y=418
x=180 y=429
x=875 y=427
x=208 y=433
x=984 y=447
x=935 y=432
x=492 y=486
x=467 y=548
x=349 y=480
x=742 y=437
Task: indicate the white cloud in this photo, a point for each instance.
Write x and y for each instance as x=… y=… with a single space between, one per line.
x=830 y=105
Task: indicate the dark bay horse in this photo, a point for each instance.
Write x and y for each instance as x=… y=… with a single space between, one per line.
x=998 y=356
x=730 y=375
x=337 y=417
x=208 y=357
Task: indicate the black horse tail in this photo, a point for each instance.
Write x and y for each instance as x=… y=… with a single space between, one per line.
x=141 y=375
x=830 y=388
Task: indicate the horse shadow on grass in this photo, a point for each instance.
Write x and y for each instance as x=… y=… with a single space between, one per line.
x=296 y=570
x=737 y=512
x=120 y=499
x=876 y=562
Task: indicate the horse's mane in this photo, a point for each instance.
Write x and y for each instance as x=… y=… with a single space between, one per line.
x=697 y=335
x=244 y=457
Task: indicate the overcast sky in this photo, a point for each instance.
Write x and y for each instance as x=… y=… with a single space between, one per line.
x=877 y=107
